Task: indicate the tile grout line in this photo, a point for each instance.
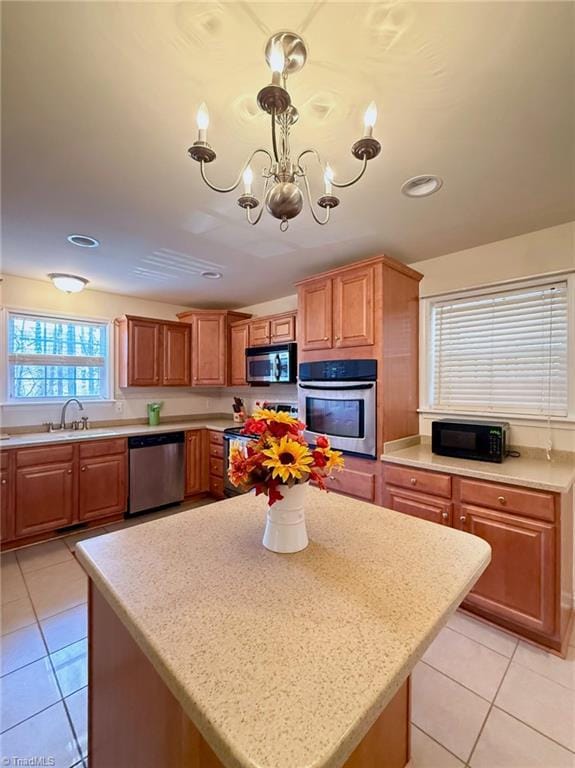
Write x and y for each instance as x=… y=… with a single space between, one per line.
x=483 y=644
x=429 y=736
x=454 y=680
x=532 y=728
x=53 y=668
x=491 y=705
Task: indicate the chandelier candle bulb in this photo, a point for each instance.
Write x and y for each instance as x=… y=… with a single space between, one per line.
x=369 y=119
x=327 y=179
x=203 y=121
x=248 y=178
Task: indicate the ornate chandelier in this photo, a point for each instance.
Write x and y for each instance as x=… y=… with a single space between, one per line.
x=286 y=54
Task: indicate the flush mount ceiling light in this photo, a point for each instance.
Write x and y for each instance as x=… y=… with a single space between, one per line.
x=83 y=241
x=68 y=283
x=421 y=186
x=284 y=177
x=209 y=275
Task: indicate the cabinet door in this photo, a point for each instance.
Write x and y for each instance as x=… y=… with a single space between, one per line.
x=418 y=505
x=44 y=498
x=519 y=583
x=282 y=329
x=102 y=486
x=176 y=371
x=6 y=505
x=209 y=350
x=144 y=350
x=196 y=462
x=239 y=340
x=259 y=333
x=315 y=314
x=353 y=308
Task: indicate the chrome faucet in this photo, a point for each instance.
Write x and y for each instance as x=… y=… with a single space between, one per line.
x=66 y=404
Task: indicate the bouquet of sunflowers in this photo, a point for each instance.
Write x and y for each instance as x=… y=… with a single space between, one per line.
x=279 y=455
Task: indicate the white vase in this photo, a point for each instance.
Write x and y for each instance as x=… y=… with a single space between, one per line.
x=285 y=525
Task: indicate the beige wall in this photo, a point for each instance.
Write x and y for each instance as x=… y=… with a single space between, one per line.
x=40 y=296
x=536 y=253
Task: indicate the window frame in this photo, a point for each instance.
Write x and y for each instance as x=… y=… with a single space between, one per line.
x=5 y=389
x=426 y=350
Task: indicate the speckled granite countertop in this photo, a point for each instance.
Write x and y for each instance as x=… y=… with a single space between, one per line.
x=532 y=472
x=284 y=661
x=96 y=433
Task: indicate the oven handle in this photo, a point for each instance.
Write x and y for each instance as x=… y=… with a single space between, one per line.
x=338 y=387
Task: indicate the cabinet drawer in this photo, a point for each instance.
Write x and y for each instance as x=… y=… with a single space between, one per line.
x=508 y=498
x=217 y=450
x=102 y=448
x=216 y=467
x=216 y=438
x=55 y=454
x=217 y=487
x=361 y=485
x=430 y=508
x=433 y=483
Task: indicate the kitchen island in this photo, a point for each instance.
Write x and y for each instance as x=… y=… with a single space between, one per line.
x=207 y=650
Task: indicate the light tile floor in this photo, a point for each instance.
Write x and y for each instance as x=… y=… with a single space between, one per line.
x=481 y=699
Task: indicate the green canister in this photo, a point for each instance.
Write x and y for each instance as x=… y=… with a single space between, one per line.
x=154 y=414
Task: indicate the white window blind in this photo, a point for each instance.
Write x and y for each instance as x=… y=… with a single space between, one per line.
x=504 y=352
x=53 y=358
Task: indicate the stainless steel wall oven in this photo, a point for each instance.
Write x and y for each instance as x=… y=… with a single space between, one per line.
x=337 y=398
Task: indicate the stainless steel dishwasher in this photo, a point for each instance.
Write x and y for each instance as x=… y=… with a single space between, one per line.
x=156 y=471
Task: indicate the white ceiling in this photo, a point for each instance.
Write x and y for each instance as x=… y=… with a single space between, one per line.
x=99 y=102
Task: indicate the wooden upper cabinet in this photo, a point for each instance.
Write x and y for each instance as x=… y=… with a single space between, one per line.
x=519 y=584
x=259 y=332
x=282 y=328
x=239 y=340
x=44 y=498
x=176 y=370
x=209 y=350
x=353 y=308
x=144 y=344
x=315 y=314
x=211 y=340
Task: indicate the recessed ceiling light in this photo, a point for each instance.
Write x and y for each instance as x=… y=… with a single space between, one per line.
x=68 y=283
x=83 y=241
x=209 y=275
x=421 y=186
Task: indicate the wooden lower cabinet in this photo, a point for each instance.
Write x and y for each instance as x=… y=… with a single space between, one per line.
x=44 y=498
x=527 y=587
x=360 y=478
x=196 y=462
x=216 y=464
x=54 y=487
x=519 y=584
x=102 y=486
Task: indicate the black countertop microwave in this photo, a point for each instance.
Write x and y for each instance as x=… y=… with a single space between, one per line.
x=463 y=439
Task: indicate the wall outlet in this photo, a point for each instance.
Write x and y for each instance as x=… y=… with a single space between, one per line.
x=119 y=406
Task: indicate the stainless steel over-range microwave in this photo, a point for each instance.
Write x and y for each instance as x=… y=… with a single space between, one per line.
x=275 y=364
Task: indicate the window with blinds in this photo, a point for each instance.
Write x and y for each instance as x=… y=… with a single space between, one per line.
x=51 y=358
x=503 y=352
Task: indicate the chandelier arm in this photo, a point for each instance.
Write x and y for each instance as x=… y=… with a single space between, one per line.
x=310 y=203
x=342 y=185
x=255 y=221
x=235 y=185
x=308 y=152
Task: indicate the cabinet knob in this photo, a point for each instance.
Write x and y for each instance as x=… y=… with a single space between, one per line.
x=463 y=518
x=83 y=469
x=445 y=515
x=325 y=338
x=413 y=480
x=69 y=471
x=4 y=482
x=337 y=338
x=502 y=500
